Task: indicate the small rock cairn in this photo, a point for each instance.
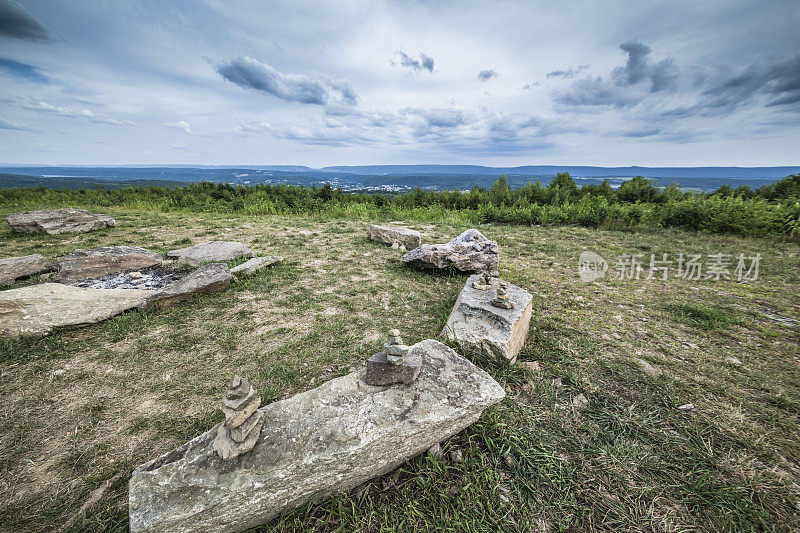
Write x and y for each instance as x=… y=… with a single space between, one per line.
x=394 y=348
x=501 y=300
x=484 y=283
x=243 y=422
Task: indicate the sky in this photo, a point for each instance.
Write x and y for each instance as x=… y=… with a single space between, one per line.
x=613 y=83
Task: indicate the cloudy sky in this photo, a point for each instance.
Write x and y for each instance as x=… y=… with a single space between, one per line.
x=663 y=83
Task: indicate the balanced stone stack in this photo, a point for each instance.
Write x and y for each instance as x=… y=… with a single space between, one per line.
x=243 y=421
x=469 y=252
x=395 y=364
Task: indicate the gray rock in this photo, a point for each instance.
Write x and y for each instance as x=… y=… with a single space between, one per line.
x=55 y=221
x=13 y=268
x=381 y=371
x=255 y=264
x=36 y=309
x=210 y=278
x=478 y=325
x=96 y=262
x=393 y=235
x=323 y=441
x=210 y=251
x=469 y=252
x=648 y=369
x=435 y=451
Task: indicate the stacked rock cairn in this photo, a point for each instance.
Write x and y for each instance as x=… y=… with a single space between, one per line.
x=501 y=300
x=394 y=348
x=483 y=283
x=243 y=421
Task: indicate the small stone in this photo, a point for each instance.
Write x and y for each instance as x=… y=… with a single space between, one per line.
x=531 y=366
x=136 y=274
x=691 y=346
x=580 y=401
x=735 y=361
x=59 y=372
x=686 y=407
x=435 y=451
x=484 y=283
x=648 y=369
x=456 y=456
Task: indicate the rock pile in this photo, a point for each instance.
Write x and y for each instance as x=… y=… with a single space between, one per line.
x=469 y=252
x=395 y=236
x=14 y=268
x=152 y=279
x=243 y=421
x=55 y=221
x=395 y=364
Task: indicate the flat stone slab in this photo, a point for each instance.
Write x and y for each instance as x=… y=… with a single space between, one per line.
x=210 y=252
x=14 y=268
x=381 y=372
x=209 y=278
x=55 y=221
x=96 y=262
x=478 y=325
x=250 y=267
x=390 y=235
x=36 y=309
x=469 y=252
x=312 y=445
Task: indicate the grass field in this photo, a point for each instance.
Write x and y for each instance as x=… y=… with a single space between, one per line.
x=592 y=440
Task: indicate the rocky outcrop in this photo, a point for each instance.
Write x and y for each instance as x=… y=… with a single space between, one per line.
x=55 y=221
x=14 y=268
x=408 y=238
x=482 y=322
x=210 y=252
x=96 y=262
x=210 y=278
x=36 y=309
x=248 y=268
x=314 y=444
x=469 y=252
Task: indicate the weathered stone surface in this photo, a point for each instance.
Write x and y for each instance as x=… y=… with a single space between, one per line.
x=36 y=309
x=210 y=251
x=248 y=268
x=329 y=439
x=210 y=278
x=55 y=221
x=469 y=252
x=476 y=324
x=395 y=235
x=13 y=268
x=380 y=371
x=96 y=262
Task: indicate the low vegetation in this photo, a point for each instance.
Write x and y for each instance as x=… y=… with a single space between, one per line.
x=773 y=209
x=588 y=441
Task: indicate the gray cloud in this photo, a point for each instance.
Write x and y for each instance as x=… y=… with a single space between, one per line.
x=780 y=82
x=423 y=63
x=16 y=22
x=488 y=74
x=529 y=86
x=6 y=125
x=662 y=75
x=596 y=92
x=21 y=70
x=569 y=73
x=248 y=73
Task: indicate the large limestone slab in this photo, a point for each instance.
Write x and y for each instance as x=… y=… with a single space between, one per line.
x=210 y=251
x=312 y=445
x=13 y=268
x=210 y=278
x=96 y=262
x=478 y=325
x=469 y=252
x=36 y=309
x=55 y=221
x=390 y=235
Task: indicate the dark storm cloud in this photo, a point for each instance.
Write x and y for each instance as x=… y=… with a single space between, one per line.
x=569 y=73
x=487 y=74
x=662 y=75
x=423 y=63
x=251 y=74
x=21 y=70
x=16 y=22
